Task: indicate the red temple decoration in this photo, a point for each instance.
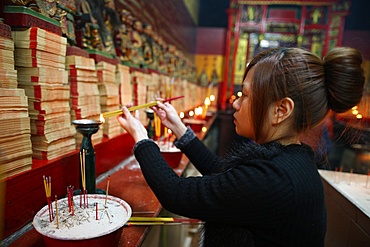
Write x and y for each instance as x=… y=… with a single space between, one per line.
x=256 y=25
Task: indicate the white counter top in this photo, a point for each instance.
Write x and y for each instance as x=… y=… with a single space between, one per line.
x=354 y=187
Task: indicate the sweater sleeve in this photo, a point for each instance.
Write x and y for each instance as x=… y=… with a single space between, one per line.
x=202 y=158
x=237 y=195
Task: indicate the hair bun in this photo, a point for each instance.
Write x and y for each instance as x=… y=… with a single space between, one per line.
x=344 y=78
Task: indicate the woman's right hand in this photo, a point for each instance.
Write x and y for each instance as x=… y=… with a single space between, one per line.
x=169 y=118
x=132 y=124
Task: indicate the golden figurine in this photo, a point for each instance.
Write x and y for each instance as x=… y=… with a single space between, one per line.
x=147 y=38
x=137 y=43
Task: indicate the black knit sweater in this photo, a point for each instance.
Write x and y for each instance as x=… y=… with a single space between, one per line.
x=259 y=195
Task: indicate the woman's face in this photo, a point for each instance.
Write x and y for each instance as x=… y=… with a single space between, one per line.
x=242 y=117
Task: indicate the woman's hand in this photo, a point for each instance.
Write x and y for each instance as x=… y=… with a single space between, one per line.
x=132 y=124
x=169 y=118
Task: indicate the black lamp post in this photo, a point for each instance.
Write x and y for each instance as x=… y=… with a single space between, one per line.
x=87 y=128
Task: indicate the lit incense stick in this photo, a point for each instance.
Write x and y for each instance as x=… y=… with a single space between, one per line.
x=134 y=108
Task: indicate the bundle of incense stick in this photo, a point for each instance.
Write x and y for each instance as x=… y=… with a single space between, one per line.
x=148 y=221
x=134 y=108
x=47 y=185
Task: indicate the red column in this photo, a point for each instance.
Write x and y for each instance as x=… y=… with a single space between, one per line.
x=223 y=87
x=236 y=43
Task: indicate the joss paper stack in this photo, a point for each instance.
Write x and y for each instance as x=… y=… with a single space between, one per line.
x=8 y=75
x=109 y=97
x=140 y=93
x=153 y=82
x=15 y=138
x=39 y=60
x=165 y=86
x=179 y=104
x=191 y=95
x=185 y=91
x=176 y=89
x=85 y=98
x=123 y=80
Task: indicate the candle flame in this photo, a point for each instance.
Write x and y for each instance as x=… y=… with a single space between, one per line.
x=207 y=101
x=102 y=119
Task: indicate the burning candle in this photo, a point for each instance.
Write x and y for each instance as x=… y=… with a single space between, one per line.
x=207 y=102
x=157 y=126
x=169 y=138
x=165 y=135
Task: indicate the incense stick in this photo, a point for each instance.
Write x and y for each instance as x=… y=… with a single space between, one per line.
x=150 y=223
x=134 y=108
x=106 y=194
x=83 y=176
x=160 y=223
x=56 y=211
x=162 y=219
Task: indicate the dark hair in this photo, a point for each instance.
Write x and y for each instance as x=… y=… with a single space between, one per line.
x=315 y=85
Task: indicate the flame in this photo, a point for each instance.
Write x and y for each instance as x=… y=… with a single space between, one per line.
x=102 y=119
x=207 y=101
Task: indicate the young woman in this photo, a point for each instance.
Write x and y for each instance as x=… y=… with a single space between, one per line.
x=265 y=192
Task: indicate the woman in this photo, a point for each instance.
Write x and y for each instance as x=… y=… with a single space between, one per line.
x=265 y=192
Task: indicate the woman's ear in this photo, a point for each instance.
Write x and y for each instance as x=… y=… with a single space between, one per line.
x=283 y=110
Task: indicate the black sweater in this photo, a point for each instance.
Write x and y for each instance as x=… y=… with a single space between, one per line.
x=259 y=195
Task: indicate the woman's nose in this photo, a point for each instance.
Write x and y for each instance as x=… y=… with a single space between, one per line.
x=236 y=105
